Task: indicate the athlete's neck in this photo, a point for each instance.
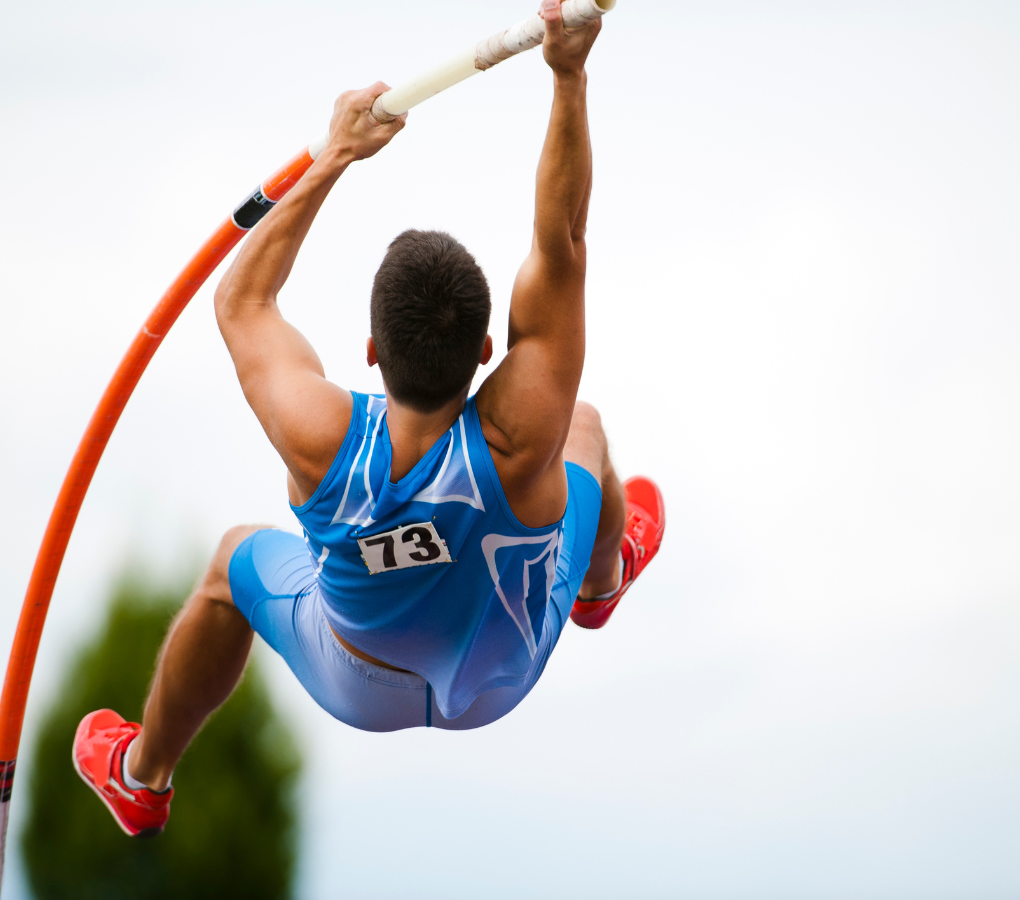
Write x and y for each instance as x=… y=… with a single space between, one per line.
x=413 y=433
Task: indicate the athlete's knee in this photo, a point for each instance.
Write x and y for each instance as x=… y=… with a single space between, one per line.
x=233 y=537
x=586 y=417
x=586 y=443
x=586 y=425
x=216 y=584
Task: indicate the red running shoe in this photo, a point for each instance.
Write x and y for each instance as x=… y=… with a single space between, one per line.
x=98 y=755
x=642 y=535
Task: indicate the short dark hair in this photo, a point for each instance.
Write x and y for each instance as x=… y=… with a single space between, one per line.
x=430 y=315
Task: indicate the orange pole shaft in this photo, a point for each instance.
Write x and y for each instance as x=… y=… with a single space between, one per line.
x=90 y=451
x=79 y=476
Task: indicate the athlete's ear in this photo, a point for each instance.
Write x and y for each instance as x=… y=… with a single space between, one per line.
x=486 y=349
x=370 y=347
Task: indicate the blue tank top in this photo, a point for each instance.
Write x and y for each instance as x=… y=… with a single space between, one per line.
x=433 y=574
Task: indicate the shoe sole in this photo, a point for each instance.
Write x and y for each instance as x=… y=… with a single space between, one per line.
x=144 y=833
x=589 y=624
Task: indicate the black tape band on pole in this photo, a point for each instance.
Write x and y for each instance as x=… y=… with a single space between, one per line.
x=251 y=210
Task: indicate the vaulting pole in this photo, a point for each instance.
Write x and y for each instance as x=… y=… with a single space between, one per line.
x=484 y=55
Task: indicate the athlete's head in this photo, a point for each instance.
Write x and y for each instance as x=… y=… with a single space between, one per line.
x=430 y=315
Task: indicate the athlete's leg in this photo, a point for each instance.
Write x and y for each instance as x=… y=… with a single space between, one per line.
x=587 y=446
x=199 y=666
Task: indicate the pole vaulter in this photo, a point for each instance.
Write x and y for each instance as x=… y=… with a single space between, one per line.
x=487 y=53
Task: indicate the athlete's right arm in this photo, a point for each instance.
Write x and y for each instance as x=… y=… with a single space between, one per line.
x=304 y=415
x=526 y=405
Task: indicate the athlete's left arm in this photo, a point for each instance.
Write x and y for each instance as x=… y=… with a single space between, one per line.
x=304 y=416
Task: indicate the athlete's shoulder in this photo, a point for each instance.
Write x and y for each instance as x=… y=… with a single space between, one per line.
x=339 y=429
x=530 y=471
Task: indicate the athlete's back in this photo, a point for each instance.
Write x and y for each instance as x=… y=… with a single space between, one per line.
x=433 y=573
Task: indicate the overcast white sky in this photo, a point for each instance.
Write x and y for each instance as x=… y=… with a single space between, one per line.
x=804 y=322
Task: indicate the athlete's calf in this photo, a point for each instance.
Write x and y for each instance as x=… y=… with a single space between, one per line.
x=199 y=666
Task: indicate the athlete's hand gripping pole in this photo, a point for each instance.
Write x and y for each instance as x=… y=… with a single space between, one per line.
x=389 y=105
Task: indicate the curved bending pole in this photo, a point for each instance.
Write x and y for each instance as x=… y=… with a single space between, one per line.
x=90 y=450
x=484 y=55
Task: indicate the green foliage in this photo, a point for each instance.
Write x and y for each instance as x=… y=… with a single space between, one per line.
x=232 y=822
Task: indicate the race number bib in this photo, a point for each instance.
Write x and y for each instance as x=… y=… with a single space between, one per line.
x=404 y=547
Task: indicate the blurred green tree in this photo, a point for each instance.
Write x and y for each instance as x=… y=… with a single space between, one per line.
x=232 y=827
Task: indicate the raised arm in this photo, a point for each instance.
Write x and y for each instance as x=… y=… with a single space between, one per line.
x=526 y=404
x=304 y=415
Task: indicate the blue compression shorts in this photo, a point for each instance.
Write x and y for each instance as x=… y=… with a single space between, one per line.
x=273 y=584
